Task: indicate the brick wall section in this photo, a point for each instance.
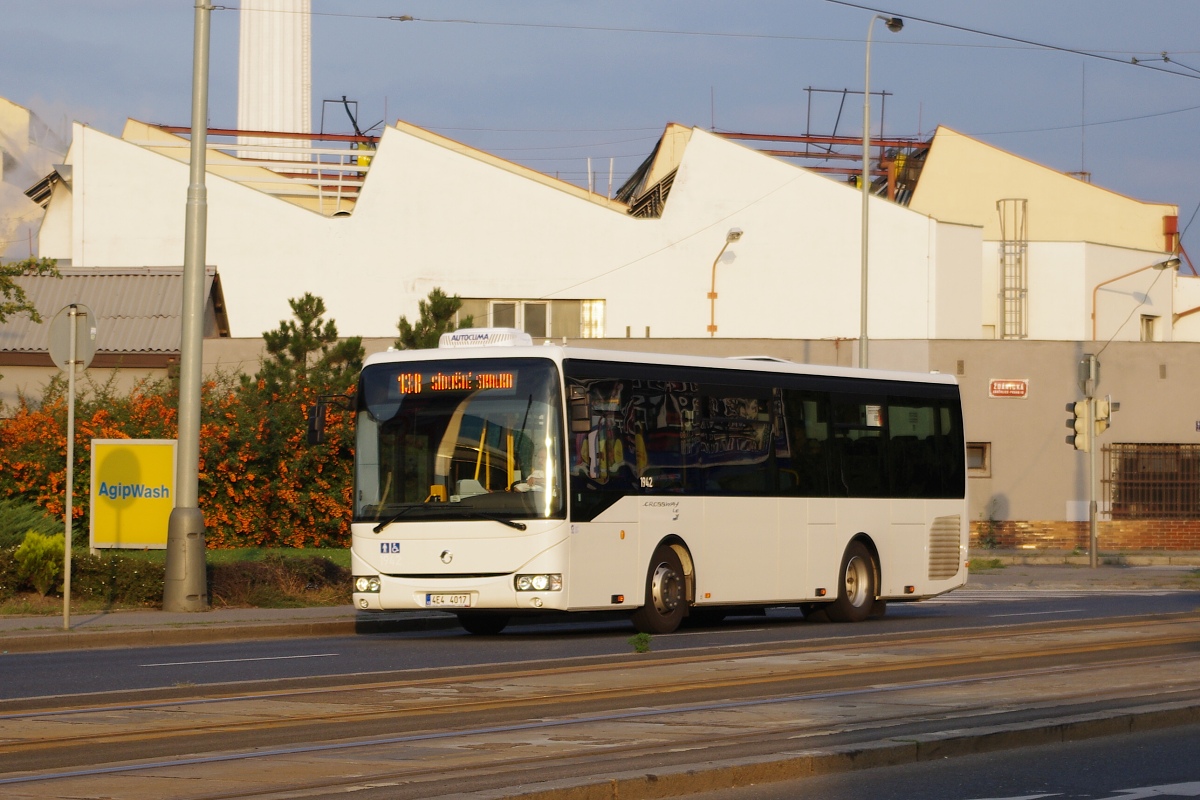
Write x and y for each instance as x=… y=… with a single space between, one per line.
x=1142 y=534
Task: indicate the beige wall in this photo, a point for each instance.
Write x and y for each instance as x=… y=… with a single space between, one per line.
x=1035 y=474
x=963 y=178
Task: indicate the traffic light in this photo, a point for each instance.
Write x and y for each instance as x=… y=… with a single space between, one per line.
x=1104 y=408
x=1081 y=439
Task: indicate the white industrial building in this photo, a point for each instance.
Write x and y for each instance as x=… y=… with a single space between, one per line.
x=527 y=249
x=431 y=212
x=982 y=264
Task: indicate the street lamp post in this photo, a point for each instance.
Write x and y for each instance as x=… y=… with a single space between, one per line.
x=894 y=24
x=185 y=585
x=732 y=236
x=1170 y=263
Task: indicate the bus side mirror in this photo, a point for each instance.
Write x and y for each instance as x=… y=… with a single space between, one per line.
x=316 y=422
x=316 y=414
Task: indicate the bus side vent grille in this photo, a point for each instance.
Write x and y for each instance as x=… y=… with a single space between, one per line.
x=943 y=547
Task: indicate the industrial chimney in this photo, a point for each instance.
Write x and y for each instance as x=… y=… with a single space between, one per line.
x=275 y=72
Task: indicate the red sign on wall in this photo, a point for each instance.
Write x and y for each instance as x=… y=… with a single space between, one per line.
x=1018 y=388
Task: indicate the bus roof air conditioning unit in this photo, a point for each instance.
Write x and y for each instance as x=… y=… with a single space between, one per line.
x=485 y=337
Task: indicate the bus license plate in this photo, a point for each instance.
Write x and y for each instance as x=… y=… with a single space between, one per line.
x=448 y=600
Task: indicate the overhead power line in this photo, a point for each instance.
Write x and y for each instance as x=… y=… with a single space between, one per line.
x=1015 y=42
x=1132 y=61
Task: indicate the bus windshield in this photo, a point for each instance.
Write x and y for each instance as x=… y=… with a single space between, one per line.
x=459 y=439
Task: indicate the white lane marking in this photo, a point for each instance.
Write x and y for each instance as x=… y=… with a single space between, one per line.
x=237 y=660
x=1039 y=613
x=715 y=630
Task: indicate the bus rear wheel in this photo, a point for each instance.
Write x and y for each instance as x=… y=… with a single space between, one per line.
x=666 y=596
x=856 y=586
x=483 y=624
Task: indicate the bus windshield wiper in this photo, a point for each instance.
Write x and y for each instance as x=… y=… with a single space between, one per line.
x=395 y=517
x=476 y=514
x=509 y=522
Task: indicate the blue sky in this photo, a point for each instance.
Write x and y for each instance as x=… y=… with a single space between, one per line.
x=550 y=84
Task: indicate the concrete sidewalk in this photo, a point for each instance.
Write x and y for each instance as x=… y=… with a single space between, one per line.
x=151 y=627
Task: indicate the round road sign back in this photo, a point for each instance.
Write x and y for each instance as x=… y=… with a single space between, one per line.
x=84 y=331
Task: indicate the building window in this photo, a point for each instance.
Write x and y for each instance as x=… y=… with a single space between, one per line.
x=979 y=459
x=1152 y=481
x=526 y=315
x=591 y=319
x=503 y=315
x=535 y=319
x=1149 y=328
x=557 y=319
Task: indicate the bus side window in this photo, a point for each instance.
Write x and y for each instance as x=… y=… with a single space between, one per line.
x=861 y=460
x=736 y=453
x=807 y=423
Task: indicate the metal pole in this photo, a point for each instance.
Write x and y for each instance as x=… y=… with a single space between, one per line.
x=894 y=24
x=1093 y=560
x=712 y=293
x=866 y=195
x=72 y=316
x=186 y=585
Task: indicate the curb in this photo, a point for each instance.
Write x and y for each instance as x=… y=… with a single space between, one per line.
x=737 y=773
x=1133 y=558
x=49 y=641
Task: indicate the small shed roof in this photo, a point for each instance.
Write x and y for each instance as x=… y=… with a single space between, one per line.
x=138 y=311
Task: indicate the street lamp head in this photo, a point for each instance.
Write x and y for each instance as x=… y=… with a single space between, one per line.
x=1170 y=263
x=736 y=233
x=894 y=24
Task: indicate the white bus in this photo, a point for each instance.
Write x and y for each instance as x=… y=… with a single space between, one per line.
x=495 y=478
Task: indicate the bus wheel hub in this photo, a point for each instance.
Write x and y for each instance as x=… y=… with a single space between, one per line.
x=667 y=589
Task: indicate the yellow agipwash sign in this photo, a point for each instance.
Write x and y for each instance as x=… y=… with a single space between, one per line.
x=133 y=492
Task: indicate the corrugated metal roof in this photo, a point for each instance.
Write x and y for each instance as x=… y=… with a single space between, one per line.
x=137 y=310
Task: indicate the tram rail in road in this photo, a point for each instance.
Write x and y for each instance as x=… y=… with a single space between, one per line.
x=404 y=733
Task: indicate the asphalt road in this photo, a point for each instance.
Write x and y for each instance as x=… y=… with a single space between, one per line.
x=547 y=642
x=426 y=711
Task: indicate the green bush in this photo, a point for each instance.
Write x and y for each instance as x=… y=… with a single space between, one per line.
x=278 y=582
x=19 y=517
x=10 y=580
x=40 y=561
x=117 y=579
x=135 y=578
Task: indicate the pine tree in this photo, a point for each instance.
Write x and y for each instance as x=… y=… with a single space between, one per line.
x=437 y=317
x=305 y=352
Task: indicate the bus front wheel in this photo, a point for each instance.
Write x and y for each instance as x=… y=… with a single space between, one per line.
x=666 y=598
x=856 y=586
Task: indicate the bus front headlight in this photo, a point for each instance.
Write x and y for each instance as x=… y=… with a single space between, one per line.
x=366 y=583
x=539 y=583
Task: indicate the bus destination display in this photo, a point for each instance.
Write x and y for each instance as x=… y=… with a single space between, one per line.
x=434 y=382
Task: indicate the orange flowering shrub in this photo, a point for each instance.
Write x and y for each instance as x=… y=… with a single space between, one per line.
x=33 y=443
x=261 y=485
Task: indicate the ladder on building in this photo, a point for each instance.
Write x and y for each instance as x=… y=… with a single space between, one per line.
x=1014 y=268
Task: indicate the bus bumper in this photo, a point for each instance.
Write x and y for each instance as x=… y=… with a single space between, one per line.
x=541 y=581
